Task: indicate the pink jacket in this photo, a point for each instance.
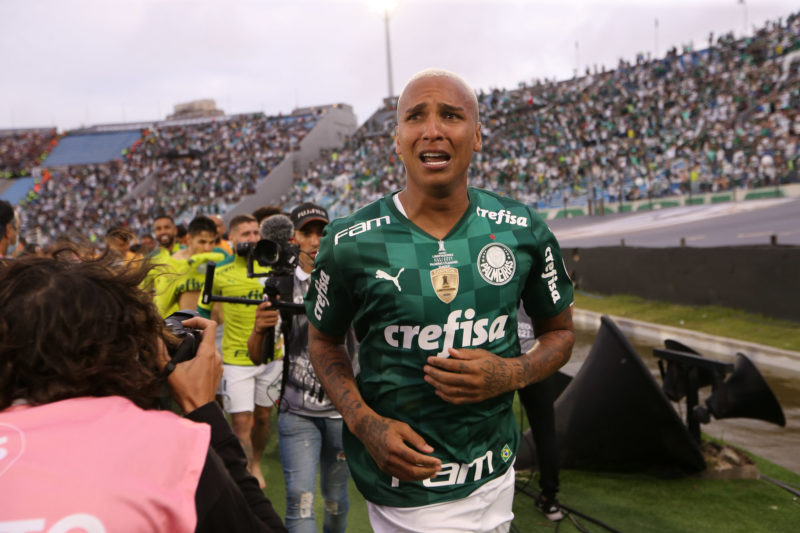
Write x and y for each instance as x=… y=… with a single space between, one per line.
x=99 y=464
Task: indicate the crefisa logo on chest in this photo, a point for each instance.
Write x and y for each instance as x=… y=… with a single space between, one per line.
x=496 y=263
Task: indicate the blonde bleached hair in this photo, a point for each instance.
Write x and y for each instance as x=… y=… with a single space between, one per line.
x=442 y=73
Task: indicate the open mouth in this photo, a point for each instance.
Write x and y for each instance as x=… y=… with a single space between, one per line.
x=434 y=159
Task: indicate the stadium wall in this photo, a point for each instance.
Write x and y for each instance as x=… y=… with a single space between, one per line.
x=334 y=126
x=758 y=279
x=732 y=195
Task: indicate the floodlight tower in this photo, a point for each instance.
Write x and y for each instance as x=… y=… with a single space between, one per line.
x=385 y=7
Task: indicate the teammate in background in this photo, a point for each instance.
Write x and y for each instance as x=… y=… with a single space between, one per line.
x=309 y=428
x=166 y=234
x=9 y=228
x=431 y=278
x=249 y=391
x=189 y=263
x=537 y=399
x=221 y=241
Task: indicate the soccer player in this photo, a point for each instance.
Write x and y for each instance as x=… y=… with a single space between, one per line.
x=166 y=234
x=248 y=390
x=431 y=277
x=202 y=239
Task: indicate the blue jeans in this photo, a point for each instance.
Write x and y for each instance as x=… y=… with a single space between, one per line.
x=304 y=443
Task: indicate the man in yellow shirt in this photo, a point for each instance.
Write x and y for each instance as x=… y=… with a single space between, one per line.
x=180 y=279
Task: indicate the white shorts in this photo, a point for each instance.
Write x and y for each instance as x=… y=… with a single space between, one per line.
x=244 y=387
x=486 y=510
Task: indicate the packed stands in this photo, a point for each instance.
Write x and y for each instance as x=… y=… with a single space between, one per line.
x=23 y=149
x=694 y=121
x=195 y=166
x=691 y=122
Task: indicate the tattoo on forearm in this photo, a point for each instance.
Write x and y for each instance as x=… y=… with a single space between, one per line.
x=334 y=370
x=552 y=350
x=498 y=377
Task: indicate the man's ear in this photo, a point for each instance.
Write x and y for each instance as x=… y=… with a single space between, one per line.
x=476 y=147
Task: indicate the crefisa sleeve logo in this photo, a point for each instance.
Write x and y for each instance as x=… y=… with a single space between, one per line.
x=496 y=263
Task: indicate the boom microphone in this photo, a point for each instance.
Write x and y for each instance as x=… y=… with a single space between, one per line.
x=278 y=228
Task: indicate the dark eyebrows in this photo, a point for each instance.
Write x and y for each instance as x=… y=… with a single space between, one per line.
x=452 y=109
x=416 y=109
x=447 y=108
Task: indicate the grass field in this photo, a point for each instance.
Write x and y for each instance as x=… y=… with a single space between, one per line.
x=714 y=320
x=636 y=502
x=629 y=502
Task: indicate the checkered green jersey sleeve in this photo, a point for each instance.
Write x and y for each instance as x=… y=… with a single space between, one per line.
x=329 y=304
x=548 y=290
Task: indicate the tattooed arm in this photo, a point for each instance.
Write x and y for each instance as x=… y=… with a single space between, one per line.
x=396 y=448
x=474 y=375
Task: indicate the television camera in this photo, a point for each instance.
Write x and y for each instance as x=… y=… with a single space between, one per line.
x=275 y=251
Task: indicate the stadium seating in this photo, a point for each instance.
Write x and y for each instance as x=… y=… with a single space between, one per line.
x=689 y=125
x=90 y=148
x=692 y=122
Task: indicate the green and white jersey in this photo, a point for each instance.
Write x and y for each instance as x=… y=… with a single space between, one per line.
x=410 y=296
x=230 y=279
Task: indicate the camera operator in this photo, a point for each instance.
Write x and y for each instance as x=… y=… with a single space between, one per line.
x=81 y=443
x=244 y=387
x=309 y=427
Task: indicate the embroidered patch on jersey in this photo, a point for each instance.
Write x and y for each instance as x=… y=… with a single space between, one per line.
x=496 y=263
x=445 y=283
x=505 y=453
x=443 y=258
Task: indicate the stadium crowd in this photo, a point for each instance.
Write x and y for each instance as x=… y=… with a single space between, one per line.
x=178 y=169
x=691 y=122
x=21 y=150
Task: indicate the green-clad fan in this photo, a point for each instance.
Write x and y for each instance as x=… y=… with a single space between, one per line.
x=430 y=278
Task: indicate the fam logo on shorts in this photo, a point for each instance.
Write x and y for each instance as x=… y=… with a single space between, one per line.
x=496 y=263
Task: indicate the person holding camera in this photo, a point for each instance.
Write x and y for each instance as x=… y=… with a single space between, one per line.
x=246 y=387
x=309 y=427
x=82 y=445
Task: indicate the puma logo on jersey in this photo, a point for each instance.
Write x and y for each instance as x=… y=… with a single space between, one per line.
x=380 y=274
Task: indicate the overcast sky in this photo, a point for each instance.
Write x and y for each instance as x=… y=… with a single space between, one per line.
x=68 y=63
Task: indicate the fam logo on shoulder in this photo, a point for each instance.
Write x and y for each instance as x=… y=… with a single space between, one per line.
x=496 y=263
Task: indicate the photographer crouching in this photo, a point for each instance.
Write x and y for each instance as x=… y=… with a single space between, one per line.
x=83 y=361
x=309 y=427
